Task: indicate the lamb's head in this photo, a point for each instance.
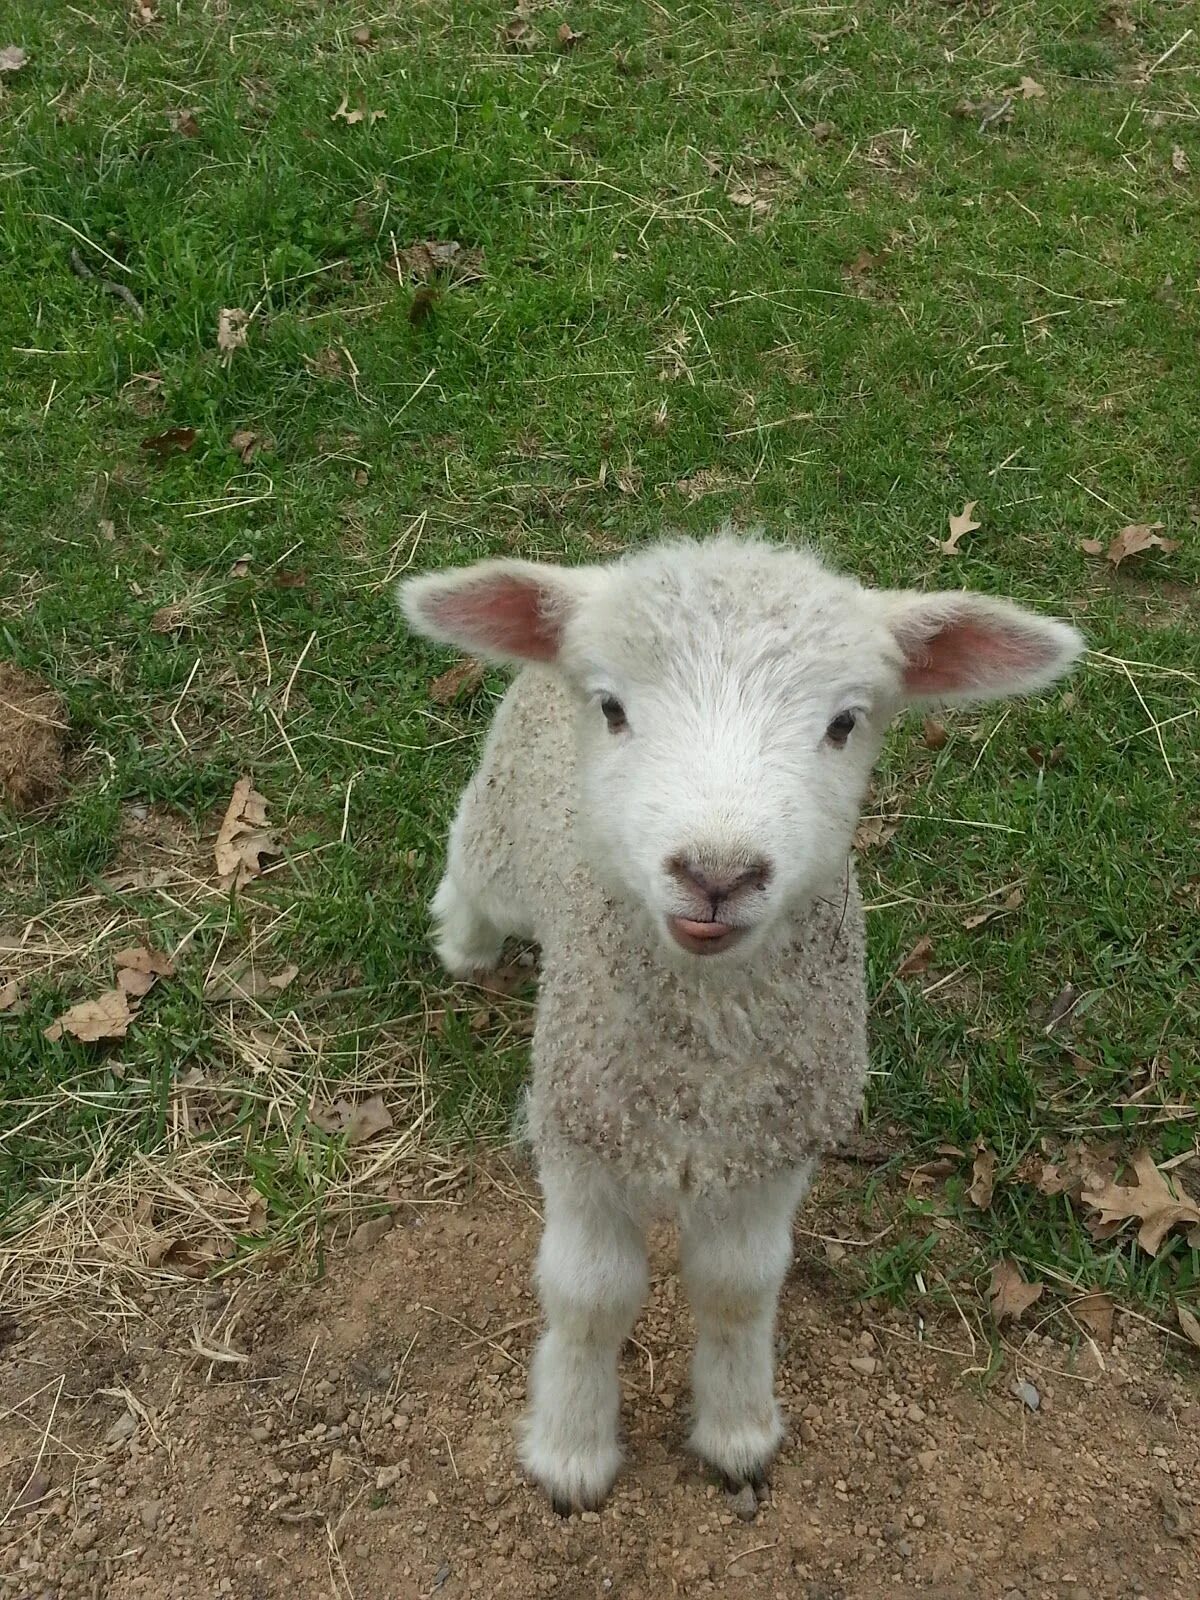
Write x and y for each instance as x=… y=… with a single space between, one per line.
x=732 y=697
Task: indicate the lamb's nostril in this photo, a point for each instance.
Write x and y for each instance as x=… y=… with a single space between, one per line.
x=716 y=879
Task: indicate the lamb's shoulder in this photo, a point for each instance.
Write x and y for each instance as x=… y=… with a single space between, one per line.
x=694 y=1085
x=516 y=813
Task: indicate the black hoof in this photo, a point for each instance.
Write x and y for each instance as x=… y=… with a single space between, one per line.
x=756 y=1480
x=560 y=1506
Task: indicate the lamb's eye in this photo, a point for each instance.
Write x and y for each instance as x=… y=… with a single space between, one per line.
x=614 y=713
x=840 y=729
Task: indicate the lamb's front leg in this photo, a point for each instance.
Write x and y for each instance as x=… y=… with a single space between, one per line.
x=735 y=1254
x=592 y=1279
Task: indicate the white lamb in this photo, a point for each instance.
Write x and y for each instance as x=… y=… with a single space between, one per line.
x=666 y=804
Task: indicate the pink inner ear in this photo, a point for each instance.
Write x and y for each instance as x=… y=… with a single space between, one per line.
x=503 y=614
x=973 y=653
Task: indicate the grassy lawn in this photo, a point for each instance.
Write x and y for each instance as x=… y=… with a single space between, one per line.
x=828 y=267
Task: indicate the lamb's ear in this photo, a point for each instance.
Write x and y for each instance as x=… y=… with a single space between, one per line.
x=959 y=646
x=503 y=610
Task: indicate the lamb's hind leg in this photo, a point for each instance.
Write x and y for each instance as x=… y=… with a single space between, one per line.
x=734 y=1255
x=592 y=1279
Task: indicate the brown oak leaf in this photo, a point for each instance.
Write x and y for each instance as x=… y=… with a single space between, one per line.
x=106 y=1017
x=461 y=680
x=983 y=1176
x=1010 y=1295
x=1131 y=541
x=1095 y=1312
x=1152 y=1203
x=963 y=523
x=244 y=837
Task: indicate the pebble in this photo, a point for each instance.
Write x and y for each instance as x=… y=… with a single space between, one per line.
x=259 y=1434
x=150 y=1511
x=864 y=1364
x=387 y=1476
x=745 y=1503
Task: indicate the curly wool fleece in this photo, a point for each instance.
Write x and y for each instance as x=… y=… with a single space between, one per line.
x=678 y=1083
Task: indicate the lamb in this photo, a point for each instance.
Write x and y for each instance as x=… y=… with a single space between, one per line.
x=666 y=804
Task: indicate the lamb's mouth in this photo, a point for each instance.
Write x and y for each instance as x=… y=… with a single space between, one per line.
x=703 y=938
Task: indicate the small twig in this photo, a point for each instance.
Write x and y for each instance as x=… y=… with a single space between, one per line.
x=753 y=1550
x=996 y=113
x=1167 y=54
x=300 y=662
x=81 y=270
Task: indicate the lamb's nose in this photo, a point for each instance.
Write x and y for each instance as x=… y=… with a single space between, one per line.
x=717 y=880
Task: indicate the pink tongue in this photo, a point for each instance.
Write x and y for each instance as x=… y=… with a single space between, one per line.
x=702 y=930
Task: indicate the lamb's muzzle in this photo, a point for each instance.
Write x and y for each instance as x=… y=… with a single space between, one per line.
x=666 y=804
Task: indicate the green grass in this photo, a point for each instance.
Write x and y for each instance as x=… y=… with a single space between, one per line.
x=645 y=348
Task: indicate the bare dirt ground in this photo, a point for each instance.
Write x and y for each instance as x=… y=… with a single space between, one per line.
x=352 y=1438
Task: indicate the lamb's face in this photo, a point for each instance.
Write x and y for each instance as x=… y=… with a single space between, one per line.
x=730 y=714
x=732 y=698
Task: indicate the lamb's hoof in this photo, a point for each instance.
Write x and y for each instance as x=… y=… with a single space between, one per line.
x=756 y=1482
x=739 y=1457
x=572 y=1482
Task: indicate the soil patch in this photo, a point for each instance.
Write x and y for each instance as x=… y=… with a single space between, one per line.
x=32 y=728
x=352 y=1438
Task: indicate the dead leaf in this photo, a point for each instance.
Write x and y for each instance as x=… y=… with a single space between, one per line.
x=1029 y=89
x=144 y=12
x=106 y=1017
x=184 y=122
x=1061 y=1007
x=567 y=37
x=520 y=34
x=746 y=198
x=138 y=968
x=173 y=442
x=362 y=37
x=144 y=958
x=433 y=259
x=245 y=444
x=461 y=680
x=244 y=838
x=1131 y=541
x=168 y=619
x=368 y=1118
x=1152 y=1203
x=233 y=329
x=917 y=960
x=10 y=997
x=962 y=524
x=864 y=263
x=873 y=833
x=933 y=734
x=1190 y=1323
x=1011 y=902
x=107 y=529
x=983 y=1176
x=1010 y=1295
x=1179 y=161
x=246 y=981
x=358 y=1122
x=822 y=131
x=13 y=58
x=1095 y=1311
x=359 y=114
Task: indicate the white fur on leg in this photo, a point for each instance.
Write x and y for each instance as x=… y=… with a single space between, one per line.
x=467 y=941
x=734 y=1258
x=592 y=1279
